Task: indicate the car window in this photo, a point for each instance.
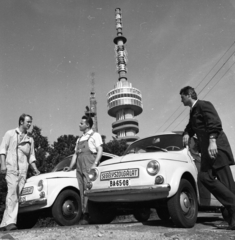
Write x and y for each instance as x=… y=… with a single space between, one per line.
x=168 y=142
x=104 y=158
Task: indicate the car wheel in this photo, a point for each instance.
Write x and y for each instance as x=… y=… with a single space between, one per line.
x=101 y=212
x=27 y=220
x=142 y=214
x=225 y=214
x=183 y=207
x=66 y=209
x=163 y=213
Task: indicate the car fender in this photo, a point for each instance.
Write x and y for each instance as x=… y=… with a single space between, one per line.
x=176 y=178
x=56 y=185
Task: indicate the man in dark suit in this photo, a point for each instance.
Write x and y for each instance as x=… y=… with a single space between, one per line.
x=216 y=154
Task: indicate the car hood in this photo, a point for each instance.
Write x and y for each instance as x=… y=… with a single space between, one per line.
x=60 y=174
x=173 y=155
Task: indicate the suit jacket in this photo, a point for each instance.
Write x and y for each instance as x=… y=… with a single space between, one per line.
x=204 y=121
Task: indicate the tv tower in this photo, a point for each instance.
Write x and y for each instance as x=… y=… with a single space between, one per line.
x=124 y=101
x=92 y=110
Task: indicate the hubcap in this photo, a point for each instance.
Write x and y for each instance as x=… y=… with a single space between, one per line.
x=185 y=202
x=69 y=208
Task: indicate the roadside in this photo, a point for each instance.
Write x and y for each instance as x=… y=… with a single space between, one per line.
x=129 y=229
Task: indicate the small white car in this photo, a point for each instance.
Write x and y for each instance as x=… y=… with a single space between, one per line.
x=55 y=193
x=155 y=172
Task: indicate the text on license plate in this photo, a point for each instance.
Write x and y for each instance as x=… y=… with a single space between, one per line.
x=119 y=183
x=119 y=174
x=27 y=190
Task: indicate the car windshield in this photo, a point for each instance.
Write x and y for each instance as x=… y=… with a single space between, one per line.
x=164 y=143
x=62 y=164
x=66 y=162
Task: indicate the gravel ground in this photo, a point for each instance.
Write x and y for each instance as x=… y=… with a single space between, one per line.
x=119 y=232
x=83 y=233
x=129 y=229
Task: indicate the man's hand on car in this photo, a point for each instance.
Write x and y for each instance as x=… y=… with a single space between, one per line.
x=185 y=140
x=36 y=172
x=67 y=169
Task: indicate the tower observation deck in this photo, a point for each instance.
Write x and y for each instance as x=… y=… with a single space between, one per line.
x=124 y=101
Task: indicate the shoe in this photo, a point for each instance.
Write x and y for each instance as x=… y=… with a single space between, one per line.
x=85 y=219
x=232 y=218
x=222 y=225
x=231 y=227
x=9 y=227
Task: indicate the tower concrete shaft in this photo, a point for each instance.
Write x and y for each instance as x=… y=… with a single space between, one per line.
x=124 y=101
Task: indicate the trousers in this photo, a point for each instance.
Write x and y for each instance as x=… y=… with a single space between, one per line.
x=15 y=184
x=221 y=184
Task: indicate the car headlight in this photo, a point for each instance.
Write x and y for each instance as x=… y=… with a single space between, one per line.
x=93 y=174
x=153 y=167
x=40 y=185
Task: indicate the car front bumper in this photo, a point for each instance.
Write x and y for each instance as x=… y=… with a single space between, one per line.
x=129 y=194
x=40 y=201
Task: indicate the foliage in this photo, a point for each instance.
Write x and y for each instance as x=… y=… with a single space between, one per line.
x=3 y=193
x=63 y=147
x=103 y=138
x=115 y=146
x=41 y=147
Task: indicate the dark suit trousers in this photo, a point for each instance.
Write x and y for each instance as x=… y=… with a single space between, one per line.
x=221 y=184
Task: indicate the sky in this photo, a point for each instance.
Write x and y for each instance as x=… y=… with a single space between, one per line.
x=49 y=49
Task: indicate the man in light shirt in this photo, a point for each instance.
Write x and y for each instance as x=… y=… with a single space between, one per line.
x=16 y=153
x=88 y=152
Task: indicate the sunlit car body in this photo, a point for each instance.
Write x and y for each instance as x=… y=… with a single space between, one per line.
x=155 y=172
x=55 y=193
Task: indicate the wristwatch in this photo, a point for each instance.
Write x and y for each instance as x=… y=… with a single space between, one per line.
x=212 y=137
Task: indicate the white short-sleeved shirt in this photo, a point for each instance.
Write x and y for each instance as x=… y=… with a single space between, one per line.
x=94 y=141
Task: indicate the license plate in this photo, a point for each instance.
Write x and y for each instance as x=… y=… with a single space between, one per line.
x=22 y=199
x=119 y=183
x=26 y=191
x=119 y=174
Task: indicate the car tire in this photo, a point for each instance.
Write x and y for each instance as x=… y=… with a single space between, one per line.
x=183 y=207
x=101 y=213
x=67 y=209
x=163 y=213
x=142 y=214
x=27 y=220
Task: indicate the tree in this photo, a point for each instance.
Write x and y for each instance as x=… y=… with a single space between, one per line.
x=41 y=147
x=3 y=193
x=63 y=147
x=115 y=146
